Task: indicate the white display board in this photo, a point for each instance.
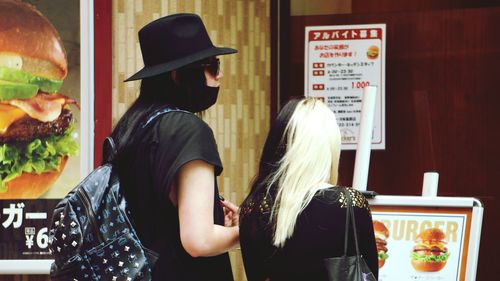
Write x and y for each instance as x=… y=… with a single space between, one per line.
x=406 y=217
x=340 y=60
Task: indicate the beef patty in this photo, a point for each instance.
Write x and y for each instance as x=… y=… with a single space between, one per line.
x=27 y=129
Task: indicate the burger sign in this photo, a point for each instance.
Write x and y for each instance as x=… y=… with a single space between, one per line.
x=36 y=121
x=430 y=253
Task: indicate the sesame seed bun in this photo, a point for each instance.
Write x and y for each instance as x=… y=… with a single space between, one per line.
x=26 y=32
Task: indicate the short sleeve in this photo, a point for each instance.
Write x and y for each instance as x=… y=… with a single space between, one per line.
x=181 y=137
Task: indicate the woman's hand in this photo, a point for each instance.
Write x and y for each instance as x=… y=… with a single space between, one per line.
x=231 y=213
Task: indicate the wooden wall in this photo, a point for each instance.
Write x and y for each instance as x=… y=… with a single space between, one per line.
x=442 y=99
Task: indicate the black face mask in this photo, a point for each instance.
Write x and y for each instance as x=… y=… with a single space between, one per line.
x=203 y=98
x=194 y=94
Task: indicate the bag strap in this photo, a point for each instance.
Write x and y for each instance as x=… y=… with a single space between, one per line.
x=109 y=145
x=355 y=230
x=350 y=215
x=157 y=113
x=347 y=216
x=108 y=149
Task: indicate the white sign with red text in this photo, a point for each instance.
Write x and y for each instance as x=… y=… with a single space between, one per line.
x=339 y=62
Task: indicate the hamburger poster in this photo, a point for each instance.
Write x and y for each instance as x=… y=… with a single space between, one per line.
x=420 y=246
x=340 y=60
x=40 y=142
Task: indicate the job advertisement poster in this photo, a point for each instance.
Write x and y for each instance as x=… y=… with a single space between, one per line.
x=421 y=245
x=339 y=62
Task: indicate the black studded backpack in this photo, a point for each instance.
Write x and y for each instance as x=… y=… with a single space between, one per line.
x=92 y=236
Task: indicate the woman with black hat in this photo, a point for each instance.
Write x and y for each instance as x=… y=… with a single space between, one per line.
x=169 y=172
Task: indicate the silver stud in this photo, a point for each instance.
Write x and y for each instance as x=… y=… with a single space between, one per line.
x=104 y=261
x=73 y=224
x=127 y=248
x=74 y=243
x=58 y=249
x=63 y=236
x=56 y=223
x=129 y=279
x=114 y=278
x=136 y=265
x=120 y=264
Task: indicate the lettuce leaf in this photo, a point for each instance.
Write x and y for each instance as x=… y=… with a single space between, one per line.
x=37 y=156
x=382 y=255
x=430 y=258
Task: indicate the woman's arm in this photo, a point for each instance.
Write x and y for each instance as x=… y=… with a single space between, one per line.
x=200 y=237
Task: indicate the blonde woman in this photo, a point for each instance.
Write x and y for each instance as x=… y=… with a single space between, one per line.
x=294 y=216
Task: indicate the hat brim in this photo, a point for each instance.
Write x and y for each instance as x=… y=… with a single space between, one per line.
x=150 y=71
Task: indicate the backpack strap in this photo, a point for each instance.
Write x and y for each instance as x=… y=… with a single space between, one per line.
x=157 y=113
x=108 y=149
x=109 y=146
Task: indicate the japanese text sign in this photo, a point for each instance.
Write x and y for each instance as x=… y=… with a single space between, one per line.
x=339 y=62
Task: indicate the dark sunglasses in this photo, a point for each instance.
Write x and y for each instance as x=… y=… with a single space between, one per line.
x=213 y=66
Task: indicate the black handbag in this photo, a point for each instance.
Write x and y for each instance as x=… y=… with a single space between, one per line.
x=349 y=268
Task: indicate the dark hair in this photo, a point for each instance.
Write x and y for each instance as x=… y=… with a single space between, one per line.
x=274 y=148
x=155 y=92
x=152 y=95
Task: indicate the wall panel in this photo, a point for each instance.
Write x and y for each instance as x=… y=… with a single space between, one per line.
x=441 y=104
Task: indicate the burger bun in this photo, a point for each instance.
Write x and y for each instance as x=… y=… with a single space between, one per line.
x=431 y=234
x=427 y=266
x=28 y=34
x=380 y=229
x=372 y=52
x=31 y=185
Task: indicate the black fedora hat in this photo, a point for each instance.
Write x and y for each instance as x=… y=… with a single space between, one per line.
x=174 y=41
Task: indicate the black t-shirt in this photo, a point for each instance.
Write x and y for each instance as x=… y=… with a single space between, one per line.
x=172 y=141
x=318 y=234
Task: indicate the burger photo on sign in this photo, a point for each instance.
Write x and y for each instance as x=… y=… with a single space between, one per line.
x=381 y=236
x=372 y=52
x=36 y=121
x=430 y=253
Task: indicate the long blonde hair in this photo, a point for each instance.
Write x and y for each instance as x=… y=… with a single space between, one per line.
x=310 y=160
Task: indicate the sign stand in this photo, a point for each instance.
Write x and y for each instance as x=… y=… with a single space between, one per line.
x=406 y=218
x=460 y=218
